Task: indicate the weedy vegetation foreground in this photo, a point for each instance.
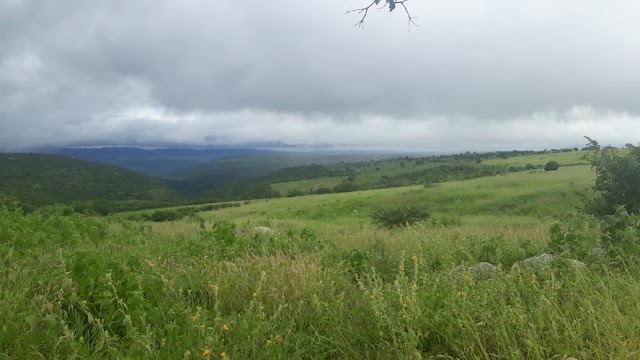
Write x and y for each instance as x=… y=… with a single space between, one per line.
x=327 y=282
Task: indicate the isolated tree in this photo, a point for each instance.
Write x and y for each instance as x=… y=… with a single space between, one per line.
x=382 y=4
x=617 y=178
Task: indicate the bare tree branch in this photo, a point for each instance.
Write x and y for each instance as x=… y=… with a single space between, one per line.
x=408 y=14
x=364 y=10
x=391 y=3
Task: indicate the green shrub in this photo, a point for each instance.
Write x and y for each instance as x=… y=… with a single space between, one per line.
x=356 y=261
x=617 y=177
x=551 y=166
x=166 y=215
x=575 y=235
x=399 y=216
x=295 y=192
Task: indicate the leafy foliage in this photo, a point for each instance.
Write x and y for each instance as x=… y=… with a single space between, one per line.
x=617 y=178
x=621 y=233
x=575 y=235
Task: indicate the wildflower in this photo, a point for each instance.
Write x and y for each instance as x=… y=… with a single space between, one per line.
x=467 y=276
x=223 y=355
x=401 y=267
x=254 y=295
x=414 y=286
x=414 y=258
x=206 y=352
x=268 y=342
x=225 y=328
x=202 y=326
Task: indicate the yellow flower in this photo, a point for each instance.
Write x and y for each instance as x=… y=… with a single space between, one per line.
x=401 y=267
x=201 y=326
x=268 y=341
x=225 y=328
x=414 y=286
x=223 y=355
x=414 y=258
x=206 y=352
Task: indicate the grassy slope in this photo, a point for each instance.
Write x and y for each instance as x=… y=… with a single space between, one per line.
x=219 y=292
x=218 y=171
x=371 y=173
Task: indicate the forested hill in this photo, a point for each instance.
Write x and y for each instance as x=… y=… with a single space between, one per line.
x=40 y=179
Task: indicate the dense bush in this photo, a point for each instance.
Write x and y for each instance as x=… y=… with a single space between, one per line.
x=575 y=235
x=165 y=215
x=551 y=166
x=399 y=216
x=295 y=192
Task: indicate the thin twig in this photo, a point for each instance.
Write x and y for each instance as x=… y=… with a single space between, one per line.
x=408 y=14
x=365 y=11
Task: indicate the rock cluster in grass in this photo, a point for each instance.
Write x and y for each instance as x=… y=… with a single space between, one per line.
x=544 y=262
x=540 y=263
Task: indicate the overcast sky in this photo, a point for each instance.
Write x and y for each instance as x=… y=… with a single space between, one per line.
x=476 y=75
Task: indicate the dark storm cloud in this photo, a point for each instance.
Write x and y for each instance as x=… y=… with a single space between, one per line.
x=238 y=72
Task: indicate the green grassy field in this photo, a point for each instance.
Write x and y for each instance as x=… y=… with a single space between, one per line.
x=372 y=174
x=326 y=284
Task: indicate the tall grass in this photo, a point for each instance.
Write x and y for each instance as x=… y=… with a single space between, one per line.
x=326 y=284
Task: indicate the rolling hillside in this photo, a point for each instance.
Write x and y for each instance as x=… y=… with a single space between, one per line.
x=40 y=179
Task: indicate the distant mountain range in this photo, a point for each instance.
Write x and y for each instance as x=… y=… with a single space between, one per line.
x=153 y=162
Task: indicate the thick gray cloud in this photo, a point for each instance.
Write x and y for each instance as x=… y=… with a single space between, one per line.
x=477 y=74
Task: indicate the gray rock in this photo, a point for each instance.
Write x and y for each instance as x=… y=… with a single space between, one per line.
x=598 y=252
x=543 y=263
x=264 y=230
x=480 y=271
